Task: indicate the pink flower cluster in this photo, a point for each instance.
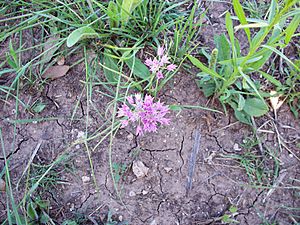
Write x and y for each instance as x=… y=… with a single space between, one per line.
x=162 y=63
x=145 y=112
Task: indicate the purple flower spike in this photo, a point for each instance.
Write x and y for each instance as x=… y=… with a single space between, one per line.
x=171 y=67
x=164 y=60
x=147 y=113
x=160 y=64
x=148 y=62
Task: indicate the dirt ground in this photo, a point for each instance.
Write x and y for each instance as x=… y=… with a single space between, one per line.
x=163 y=196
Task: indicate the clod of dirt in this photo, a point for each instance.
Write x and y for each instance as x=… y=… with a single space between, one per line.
x=2 y=185
x=139 y=169
x=85 y=179
x=54 y=72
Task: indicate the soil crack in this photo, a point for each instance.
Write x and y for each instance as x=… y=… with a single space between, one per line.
x=16 y=150
x=180 y=155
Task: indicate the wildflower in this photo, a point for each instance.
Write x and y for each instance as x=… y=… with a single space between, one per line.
x=164 y=60
x=155 y=65
x=159 y=75
x=171 y=67
x=148 y=62
x=145 y=112
x=159 y=64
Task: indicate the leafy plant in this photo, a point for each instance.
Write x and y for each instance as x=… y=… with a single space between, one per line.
x=228 y=76
x=227 y=218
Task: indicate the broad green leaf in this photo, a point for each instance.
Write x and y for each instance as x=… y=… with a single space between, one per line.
x=79 y=34
x=242 y=117
x=207 y=87
x=290 y=30
x=255 y=107
x=127 y=8
x=32 y=213
x=233 y=209
x=225 y=218
x=138 y=68
x=238 y=9
x=204 y=68
x=110 y=68
x=223 y=47
x=241 y=103
x=271 y=79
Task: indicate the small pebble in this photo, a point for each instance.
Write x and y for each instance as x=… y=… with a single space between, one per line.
x=132 y=194
x=144 y=192
x=85 y=179
x=167 y=169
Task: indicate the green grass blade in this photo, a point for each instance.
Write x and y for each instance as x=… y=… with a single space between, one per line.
x=281 y=55
x=229 y=27
x=204 y=68
x=238 y=9
x=250 y=82
x=290 y=30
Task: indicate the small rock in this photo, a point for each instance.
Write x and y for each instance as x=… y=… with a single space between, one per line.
x=167 y=169
x=130 y=137
x=72 y=207
x=120 y=218
x=236 y=147
x=80 y=134
x=85 y=179
x=139 y=169
x=132 y=194
x=144 y=192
